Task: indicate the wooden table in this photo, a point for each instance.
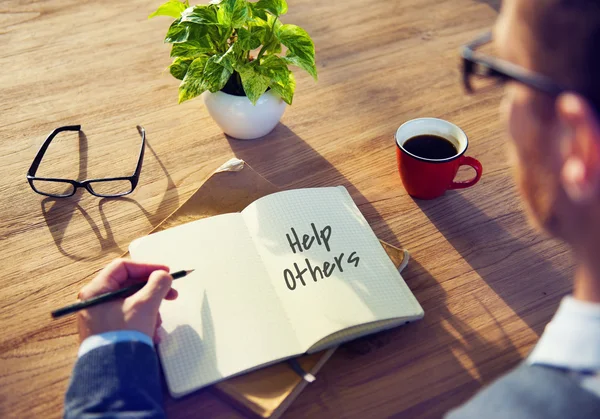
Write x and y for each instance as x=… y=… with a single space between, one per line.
x=487 y=281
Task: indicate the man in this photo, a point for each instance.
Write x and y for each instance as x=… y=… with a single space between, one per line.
x=556 y=137
x=553 y=116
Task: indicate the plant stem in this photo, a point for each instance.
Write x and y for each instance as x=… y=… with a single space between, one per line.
x=266 y=45
x=262 y=51
x=225 y=45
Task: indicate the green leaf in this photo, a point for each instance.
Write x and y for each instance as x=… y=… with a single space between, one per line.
x=268 y=25
x=193 y=82
x=205 y=17
x=254 y=82
x=308 y=66
x=192 y=48
x=257 y=12
x=248 y=40
x=272 y=65
x=200 y=14
x=177 y=32
x=179 y=67
x=215 y=74
x=258 y=32
x=259 y=29
x=171 y=8
x=275 y=7
x=230 y=59
x=183 y=31
x=233 y=13
x=282 y=80
x=273 y=47
x=274 y=23
x=301 y=50
x=264 y=29
x=286 y=89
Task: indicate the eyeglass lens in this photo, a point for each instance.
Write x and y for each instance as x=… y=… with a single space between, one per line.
x=54 y=188
x=111 y=187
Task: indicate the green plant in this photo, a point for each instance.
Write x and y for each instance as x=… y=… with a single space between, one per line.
x=212 y=46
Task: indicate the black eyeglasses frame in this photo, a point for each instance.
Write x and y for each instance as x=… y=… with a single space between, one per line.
x=483 y=65
x=87 y=184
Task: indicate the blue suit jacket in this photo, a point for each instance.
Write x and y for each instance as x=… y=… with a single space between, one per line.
x=532 y=392
x=116 y=381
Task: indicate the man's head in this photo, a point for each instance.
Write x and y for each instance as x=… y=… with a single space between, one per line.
x=556 y=139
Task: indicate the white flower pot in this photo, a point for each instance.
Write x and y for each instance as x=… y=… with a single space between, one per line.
x=239 y=118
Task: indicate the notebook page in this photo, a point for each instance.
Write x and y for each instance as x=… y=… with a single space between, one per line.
x=227 y=318
x=351 y=333
x=363 y=285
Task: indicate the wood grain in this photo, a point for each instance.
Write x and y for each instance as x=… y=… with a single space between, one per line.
x=487 y=281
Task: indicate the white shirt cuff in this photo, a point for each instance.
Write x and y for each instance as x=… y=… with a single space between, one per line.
x=572 y=339
x=109 y=338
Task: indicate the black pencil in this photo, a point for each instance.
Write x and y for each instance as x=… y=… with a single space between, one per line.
x=109 y=296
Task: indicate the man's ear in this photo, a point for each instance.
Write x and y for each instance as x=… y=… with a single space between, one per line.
x=580 y=160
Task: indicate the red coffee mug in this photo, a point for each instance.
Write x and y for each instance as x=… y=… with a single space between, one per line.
x=429 y=178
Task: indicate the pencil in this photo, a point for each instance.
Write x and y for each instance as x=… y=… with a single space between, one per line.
x=109 y=296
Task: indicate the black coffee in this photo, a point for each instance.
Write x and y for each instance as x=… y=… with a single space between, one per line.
x=430 y=147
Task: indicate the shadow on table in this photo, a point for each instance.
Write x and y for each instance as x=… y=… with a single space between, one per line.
x=456 y=353
x=494 y=4
x=496 y=255
x=440 y=353
x=164 y=207
x=186 y=345
x=59 y=212
x=294 y=160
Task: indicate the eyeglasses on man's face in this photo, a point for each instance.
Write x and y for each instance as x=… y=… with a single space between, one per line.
x=62 y=188
x=482 y=71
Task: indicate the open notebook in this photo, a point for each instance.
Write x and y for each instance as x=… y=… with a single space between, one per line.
x=296 y=271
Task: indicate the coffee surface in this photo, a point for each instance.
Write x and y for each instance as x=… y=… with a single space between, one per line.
x=430 y=147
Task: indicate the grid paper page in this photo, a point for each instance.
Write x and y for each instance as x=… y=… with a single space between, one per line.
x=353 y=332
x=227 y=318
x=364 y=286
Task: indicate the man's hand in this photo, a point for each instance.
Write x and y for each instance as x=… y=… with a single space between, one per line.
x=136 y=312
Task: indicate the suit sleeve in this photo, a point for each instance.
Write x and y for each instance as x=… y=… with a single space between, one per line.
x=116 y=381
x=531 y=392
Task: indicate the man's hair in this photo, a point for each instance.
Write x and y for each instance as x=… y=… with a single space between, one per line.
x=567 y=36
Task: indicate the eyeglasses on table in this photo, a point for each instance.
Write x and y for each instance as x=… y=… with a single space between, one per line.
x=103 y=187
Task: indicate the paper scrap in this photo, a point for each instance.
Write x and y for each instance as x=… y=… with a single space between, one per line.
x=231 y=165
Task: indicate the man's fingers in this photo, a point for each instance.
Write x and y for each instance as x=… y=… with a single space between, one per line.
x=172 y=294
x=157 y=288
x=120 y=270
x=118 y=274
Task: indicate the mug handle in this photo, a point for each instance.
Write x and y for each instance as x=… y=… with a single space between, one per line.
x=468 y=161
